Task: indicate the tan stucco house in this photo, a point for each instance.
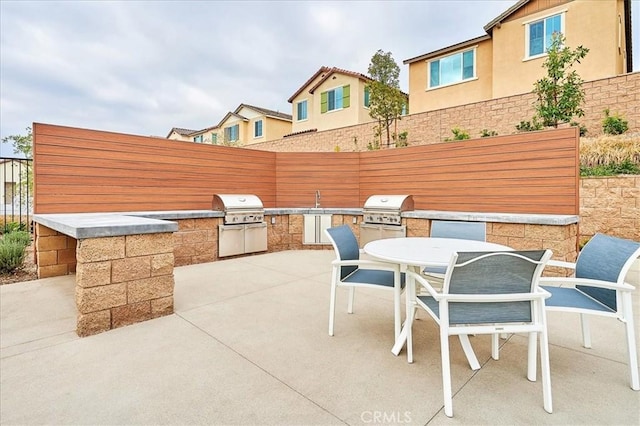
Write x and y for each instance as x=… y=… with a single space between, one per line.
x=508 y=59
x=331 y=98
x=246 y=125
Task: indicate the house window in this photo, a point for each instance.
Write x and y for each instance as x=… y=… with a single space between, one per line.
x=335 y=99
x=214 y=138
x=540 y=33
x=452 y=69
x=301 y=110
x=367 y=97
x=257 y=129
x=231 y=134
x=198 y=139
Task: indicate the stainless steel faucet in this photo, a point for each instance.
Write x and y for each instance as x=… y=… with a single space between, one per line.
x=317 y=198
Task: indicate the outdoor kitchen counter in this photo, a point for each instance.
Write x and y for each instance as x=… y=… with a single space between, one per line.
x=95 y=225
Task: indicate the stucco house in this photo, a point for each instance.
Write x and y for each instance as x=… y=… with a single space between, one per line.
x=246 y=125
x=331 y=98
x=508 y=59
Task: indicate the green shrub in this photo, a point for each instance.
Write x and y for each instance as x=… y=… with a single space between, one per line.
x=20 y=237
x=626 y=167
x=13 y=226
x=11 y=256
x=583 y=129
x=614 y=124
x=529 y=126
x=484 y=133
x=458 y=135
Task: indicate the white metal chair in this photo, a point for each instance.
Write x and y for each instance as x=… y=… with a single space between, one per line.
x=348 y=272
x=598 y=288
x=487 y=293
x=453 y=229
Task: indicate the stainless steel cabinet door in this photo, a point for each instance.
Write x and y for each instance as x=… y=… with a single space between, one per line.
x=230 y=240
x=255 y=237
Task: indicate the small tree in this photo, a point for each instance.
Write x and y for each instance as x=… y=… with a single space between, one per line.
x=22 y=144
x=560 y=93
x=386 y=101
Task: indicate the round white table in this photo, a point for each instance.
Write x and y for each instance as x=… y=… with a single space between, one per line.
x=425 y=251
x=420 y=252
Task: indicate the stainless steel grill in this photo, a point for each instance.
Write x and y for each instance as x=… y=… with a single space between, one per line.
x=382 y=217
x=386 y=209
x=244 y=230
x=239 y=208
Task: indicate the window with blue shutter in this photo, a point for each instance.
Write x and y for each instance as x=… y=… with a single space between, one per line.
x=334 y=99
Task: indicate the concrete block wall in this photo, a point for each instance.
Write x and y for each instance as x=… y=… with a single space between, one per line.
x=56 y=253
x=196 y=241
x=123 y=280
x=610 y=205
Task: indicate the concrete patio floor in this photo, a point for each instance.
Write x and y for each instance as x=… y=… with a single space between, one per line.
x=248 y=344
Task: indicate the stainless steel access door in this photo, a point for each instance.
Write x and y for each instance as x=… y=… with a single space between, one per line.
x=230 y=240
x=255 y=237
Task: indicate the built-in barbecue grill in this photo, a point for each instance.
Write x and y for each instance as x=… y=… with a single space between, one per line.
x=239 y=208
x=244 y=229
x=382 y=217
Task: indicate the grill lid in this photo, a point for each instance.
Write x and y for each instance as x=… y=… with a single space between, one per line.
x=227 y=202
x=389 y=203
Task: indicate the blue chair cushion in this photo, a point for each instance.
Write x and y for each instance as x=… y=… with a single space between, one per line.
x=373 y=277
x=435 y=270
x=482 y=313
x=573 y=298
x=603 y=258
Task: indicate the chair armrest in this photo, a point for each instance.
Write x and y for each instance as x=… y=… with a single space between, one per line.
x=557 y=281
x=561 y=264
x=378 y=265
x=424 y=284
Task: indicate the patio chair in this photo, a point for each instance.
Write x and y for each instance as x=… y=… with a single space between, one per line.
x=487 y=293
x=452 y=229
x=350 y=271
x=598 y=288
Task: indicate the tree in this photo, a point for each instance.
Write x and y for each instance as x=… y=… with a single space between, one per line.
x=560 y=93
x=386 y=101
x=21 y=143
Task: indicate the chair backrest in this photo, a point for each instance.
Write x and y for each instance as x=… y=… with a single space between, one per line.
x=494 y=273
x=346 y=246
x=606 y=258
x=459 y=230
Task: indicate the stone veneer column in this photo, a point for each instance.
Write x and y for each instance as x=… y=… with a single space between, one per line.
x=123 y=280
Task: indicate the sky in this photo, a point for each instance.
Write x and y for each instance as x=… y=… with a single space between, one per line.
x=144 y=67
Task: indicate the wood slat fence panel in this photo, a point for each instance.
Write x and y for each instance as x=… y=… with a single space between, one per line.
x=80 y=170
x=533 y=173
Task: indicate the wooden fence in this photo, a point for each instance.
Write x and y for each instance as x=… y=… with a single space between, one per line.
x=79 y=170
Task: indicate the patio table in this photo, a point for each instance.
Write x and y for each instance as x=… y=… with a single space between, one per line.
x=416 y=253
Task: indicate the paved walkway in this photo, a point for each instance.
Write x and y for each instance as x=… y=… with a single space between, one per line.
x=248 y=344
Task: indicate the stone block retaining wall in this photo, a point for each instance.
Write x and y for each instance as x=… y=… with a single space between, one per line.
x=55 y=254
x=610 y=205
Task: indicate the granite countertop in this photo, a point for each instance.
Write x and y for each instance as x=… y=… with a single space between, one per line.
x=95 y=225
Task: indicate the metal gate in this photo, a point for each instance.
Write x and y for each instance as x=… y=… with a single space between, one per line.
x=16 y=194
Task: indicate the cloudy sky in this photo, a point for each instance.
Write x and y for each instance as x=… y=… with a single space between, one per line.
x=143 y=67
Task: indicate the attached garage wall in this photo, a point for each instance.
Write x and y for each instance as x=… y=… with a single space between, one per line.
x=78 y=170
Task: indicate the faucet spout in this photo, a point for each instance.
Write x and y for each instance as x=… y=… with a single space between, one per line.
x=317 y=198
